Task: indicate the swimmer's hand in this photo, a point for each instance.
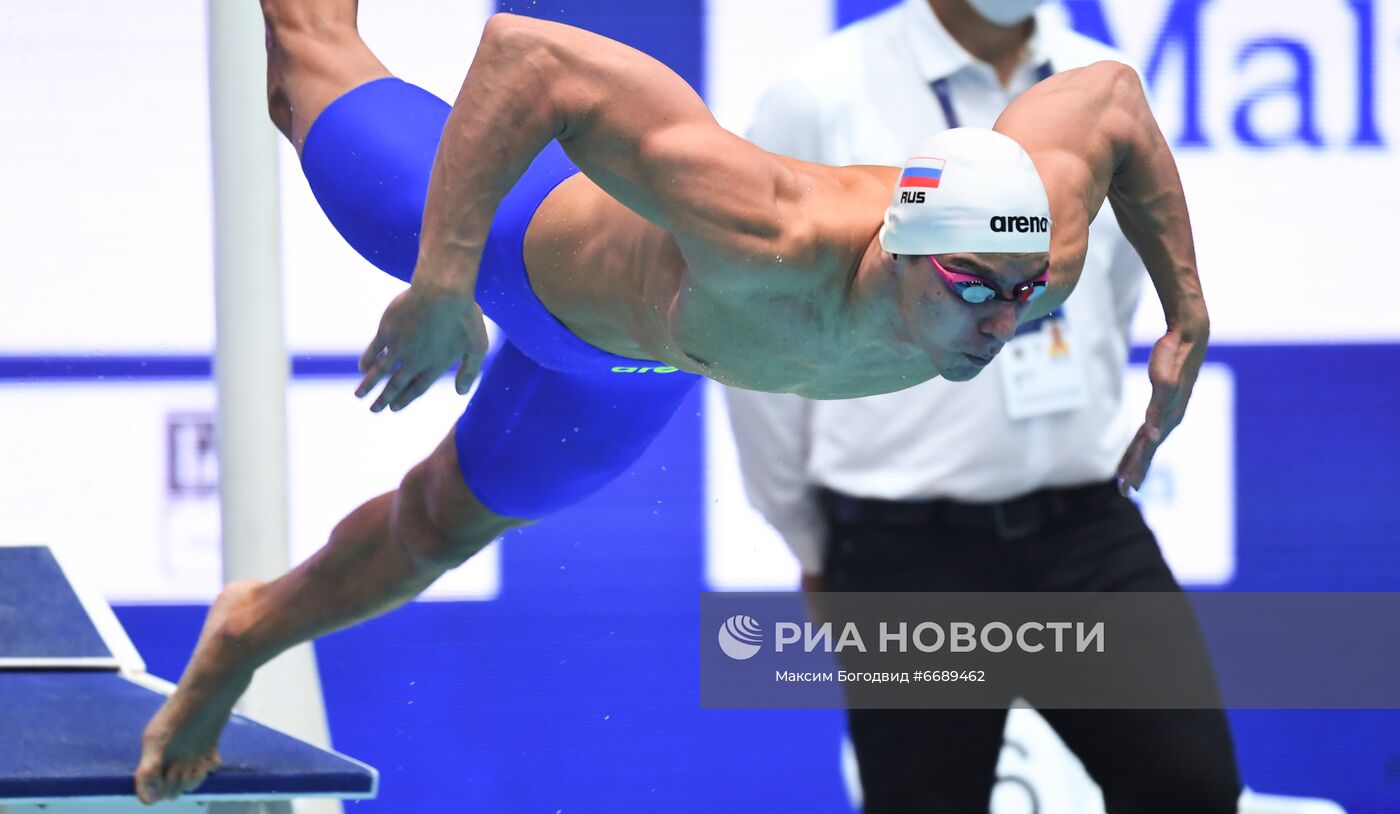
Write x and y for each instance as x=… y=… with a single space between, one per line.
x=423 y=331
x=1172 y=368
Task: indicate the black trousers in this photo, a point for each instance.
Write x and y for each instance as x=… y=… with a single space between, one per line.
x=1084 y=539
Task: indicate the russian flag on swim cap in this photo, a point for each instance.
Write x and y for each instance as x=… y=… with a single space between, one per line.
x=922 y=171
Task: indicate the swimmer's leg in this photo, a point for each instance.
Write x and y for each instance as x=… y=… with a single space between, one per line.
x=314 y=54
x=367 y=140
x=381 y=555
x=531 y=441
x=395 y=545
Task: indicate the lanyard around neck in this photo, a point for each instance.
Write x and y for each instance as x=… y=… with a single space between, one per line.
x=945 y=95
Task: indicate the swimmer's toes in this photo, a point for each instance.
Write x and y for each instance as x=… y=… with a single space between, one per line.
x=150 y=786
x=147 y=787
x=153 y=790
x=192 y=775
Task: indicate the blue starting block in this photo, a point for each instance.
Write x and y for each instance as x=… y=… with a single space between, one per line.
x=75 y=696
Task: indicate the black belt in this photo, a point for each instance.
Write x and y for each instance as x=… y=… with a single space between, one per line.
x=1007 y=519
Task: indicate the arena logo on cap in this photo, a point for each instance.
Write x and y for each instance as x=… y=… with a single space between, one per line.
x=1019 y=223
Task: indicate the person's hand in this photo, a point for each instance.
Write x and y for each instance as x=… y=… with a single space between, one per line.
x=423 y=331
x=1172 y=368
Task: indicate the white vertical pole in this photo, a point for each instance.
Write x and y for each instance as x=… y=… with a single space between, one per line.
x=250 y=359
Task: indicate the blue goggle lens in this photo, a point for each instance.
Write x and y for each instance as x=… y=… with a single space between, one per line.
x=975 y=292
x=1031 y=292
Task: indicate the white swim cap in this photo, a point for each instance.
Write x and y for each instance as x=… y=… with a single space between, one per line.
x=968 y=190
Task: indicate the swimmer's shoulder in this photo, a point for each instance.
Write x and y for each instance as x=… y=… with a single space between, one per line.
x=843 y=206
x=1079 y=61
x=830 y=215
x=857 y=192
x=841 y=191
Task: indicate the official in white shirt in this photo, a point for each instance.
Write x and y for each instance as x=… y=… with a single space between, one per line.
x=1002 y=483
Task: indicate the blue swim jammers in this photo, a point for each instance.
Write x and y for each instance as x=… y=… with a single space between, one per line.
x=553 y=418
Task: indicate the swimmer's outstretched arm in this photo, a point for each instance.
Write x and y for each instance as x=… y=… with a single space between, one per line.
x=630 y=123
x=1093 y=137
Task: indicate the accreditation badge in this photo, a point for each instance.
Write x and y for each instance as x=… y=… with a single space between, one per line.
x=1042 y=371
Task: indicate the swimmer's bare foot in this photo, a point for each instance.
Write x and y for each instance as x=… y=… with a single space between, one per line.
x=180 y=745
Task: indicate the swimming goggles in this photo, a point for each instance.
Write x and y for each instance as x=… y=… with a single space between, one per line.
x=974 y=289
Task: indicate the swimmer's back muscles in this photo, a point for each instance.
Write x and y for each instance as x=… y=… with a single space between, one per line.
x=633 y=126
x=636 y=130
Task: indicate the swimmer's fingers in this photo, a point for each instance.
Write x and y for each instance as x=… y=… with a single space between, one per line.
x=467 y=372
x=1173 y=366
x=423 y=332
x=478 y=341
x=1132 y=469
x=411 y=391
x=377 y=348
x=465 y=376
x=381 y=365
x=398 y=385
x=392 y=350
x=378 y=359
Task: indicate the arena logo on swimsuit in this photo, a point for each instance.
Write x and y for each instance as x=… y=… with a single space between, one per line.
x=661 y=369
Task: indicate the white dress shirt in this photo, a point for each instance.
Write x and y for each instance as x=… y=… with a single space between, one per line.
x=864 y=96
